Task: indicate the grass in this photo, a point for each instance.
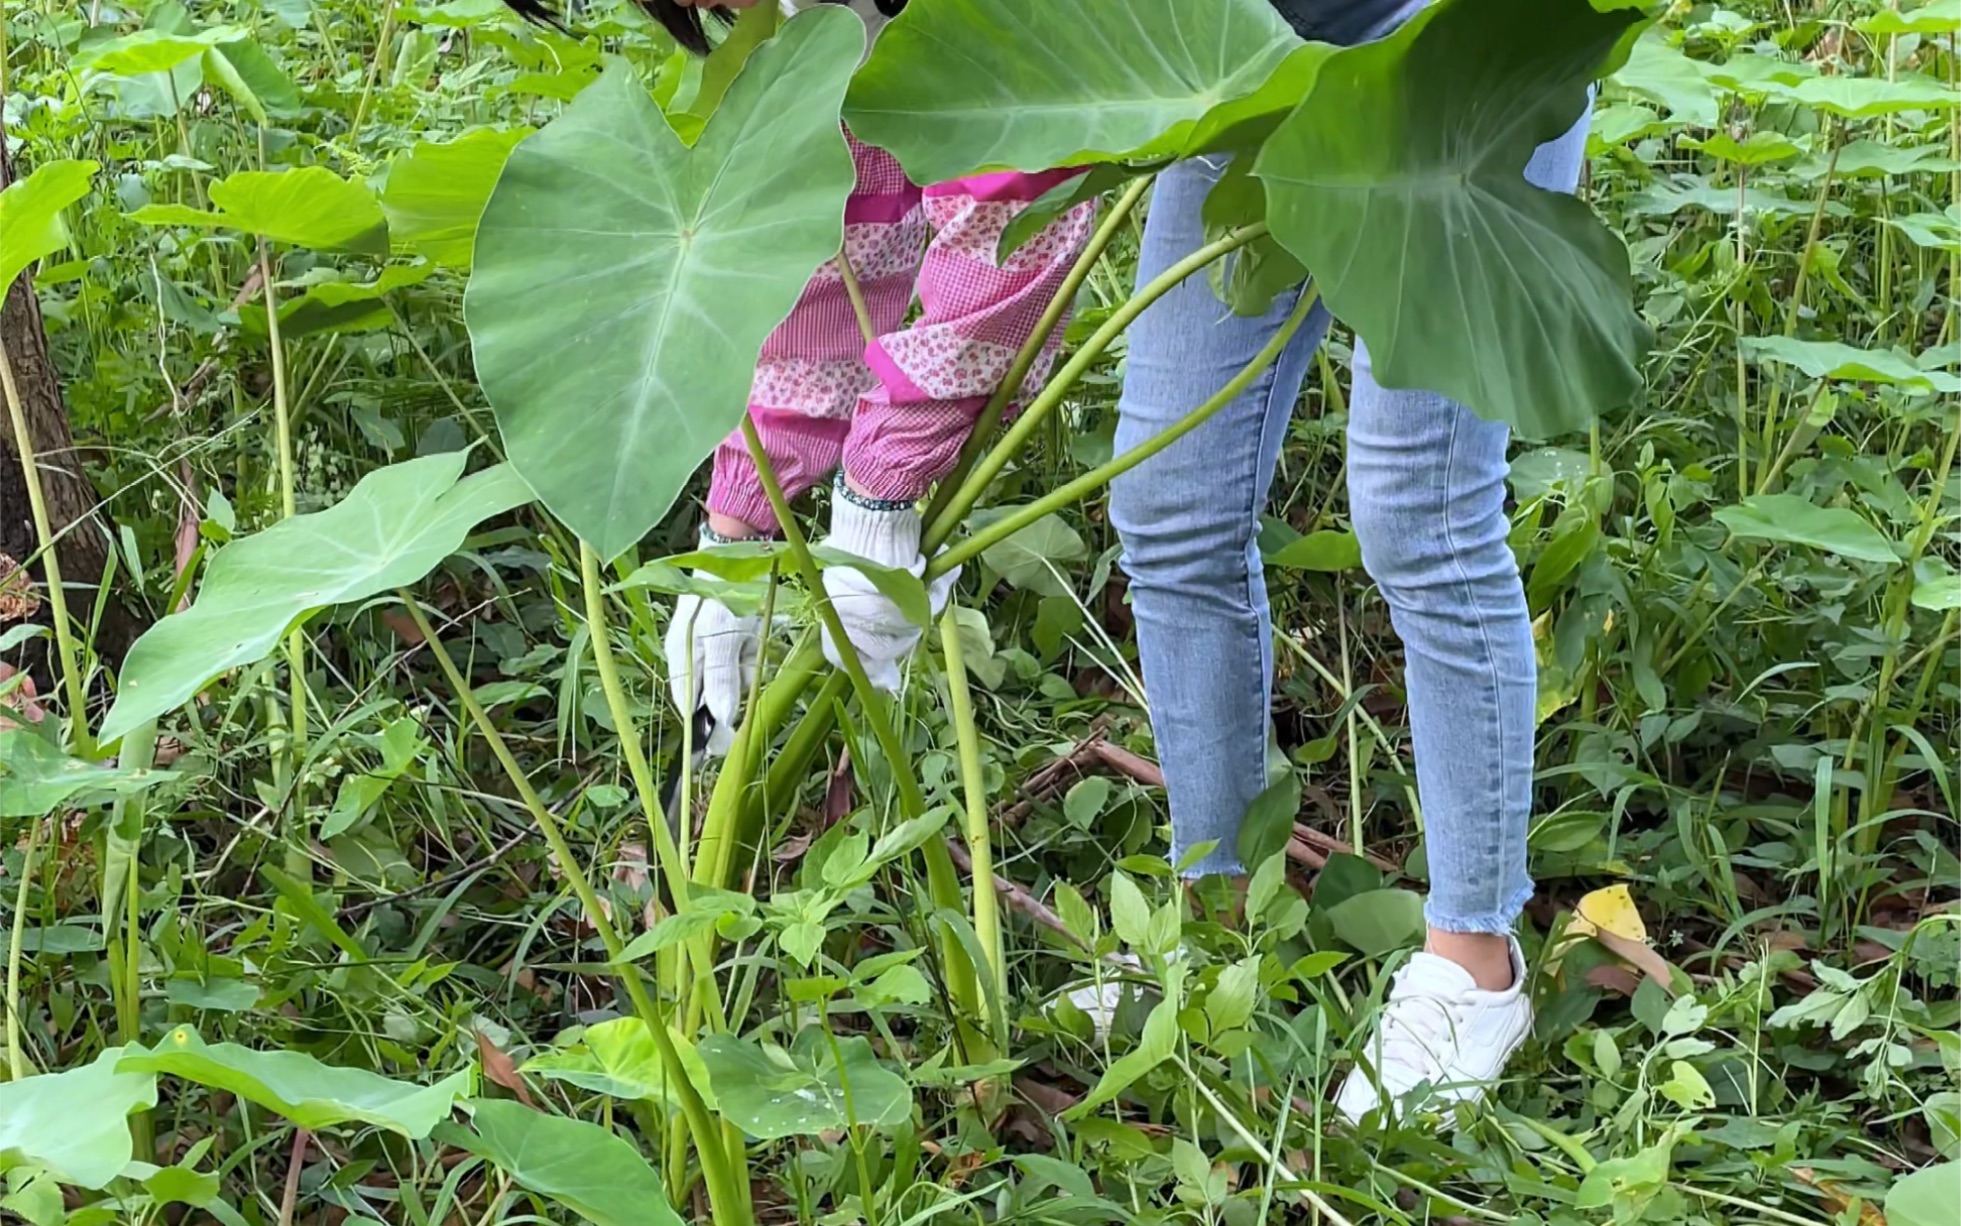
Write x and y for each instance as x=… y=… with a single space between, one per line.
x=1743 y=722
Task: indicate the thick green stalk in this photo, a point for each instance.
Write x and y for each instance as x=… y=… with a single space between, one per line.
x=997 y=404
x=667 y=856
x=980 y=848
x=17 y=1066
x=297 y=862
x=943 y=883
x=727 y=1186
x=37 y=503
x=1102 y=475
x=962 y=501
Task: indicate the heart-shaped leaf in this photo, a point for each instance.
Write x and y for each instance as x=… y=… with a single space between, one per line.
x=1837 y=360
x=1790 y=520
x=30 y=214
x=774 y=1093
x=588 y=1169
x=338 y=306
x=1400 y=185
x=391 y=529
x=74 y=1125
x=957 y=86
x=37 y=778
x=624 y=283
x=619 y=1057
x=308 y=207
x=436 y=193
x=295 y=1085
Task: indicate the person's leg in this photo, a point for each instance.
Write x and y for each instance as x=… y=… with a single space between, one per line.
x=1426 y=492
x=1188 y=517
x=1426 y=485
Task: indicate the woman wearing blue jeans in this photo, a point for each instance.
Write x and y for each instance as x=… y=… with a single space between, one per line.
x=1426 y=483
x=1426 y=487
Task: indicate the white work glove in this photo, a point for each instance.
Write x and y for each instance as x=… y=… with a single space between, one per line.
x=711 y=662
x=877 y=629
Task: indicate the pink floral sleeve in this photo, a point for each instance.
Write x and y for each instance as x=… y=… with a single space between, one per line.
x=935 y=375
x=897 y=412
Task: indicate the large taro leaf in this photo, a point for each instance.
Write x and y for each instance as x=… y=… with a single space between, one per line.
x=436 y=193
x=36 y=777
x=624 y=282
x=771 y=1093
x=295 y=1085
x=588 y=1169
x=1399 y=184
x=75 y=1124
x=958 y=86
x=391 y=529
x=31 y=224
x=308 y=207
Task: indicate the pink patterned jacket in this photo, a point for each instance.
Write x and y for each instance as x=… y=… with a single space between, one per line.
x=896 y=412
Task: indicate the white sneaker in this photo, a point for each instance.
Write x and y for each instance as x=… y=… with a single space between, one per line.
x=1439 y=1029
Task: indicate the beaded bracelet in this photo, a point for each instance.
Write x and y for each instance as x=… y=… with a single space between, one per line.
x=711 y=537
x=864 y=502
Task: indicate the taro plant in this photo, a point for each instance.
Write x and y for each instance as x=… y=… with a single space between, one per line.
x=628 y=264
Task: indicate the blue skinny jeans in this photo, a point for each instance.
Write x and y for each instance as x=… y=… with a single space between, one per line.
x=1426 y=491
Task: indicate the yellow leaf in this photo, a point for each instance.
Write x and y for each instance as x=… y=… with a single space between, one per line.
x=1609 y=910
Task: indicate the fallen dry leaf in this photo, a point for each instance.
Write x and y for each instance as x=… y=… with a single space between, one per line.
x=500 y=1068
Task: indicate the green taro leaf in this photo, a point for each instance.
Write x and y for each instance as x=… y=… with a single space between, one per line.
x=588 y=1169
x=338 y=306
x=36 y=777
x=74 y=1125
x=1656 y=69
x=1377 y=922
x=1030 y=557
x=1790 y=520
x=618 y=1057
x=308 y=207
x=1324 y=550
x=958 y=86
x=436 y=193
x=1924 y=1198
x=1837 y=360
x=1400 y=185
x=300 y=1088
x=1865 y=97
x=624 y=282
x=391 y=529
x=31 y=225
x=771 y=1093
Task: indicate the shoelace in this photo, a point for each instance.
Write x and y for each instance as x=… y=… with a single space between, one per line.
x=1415 y=1028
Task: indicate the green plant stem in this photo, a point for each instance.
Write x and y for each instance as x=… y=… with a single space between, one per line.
x=17 y=1066
x=942 y=881
x=668 y=865
x=37 y=502
x=374 y=69
x=1004 y=393
x=989 y=467
x=298 y=864
x=987 y=915
x=1102 y=475
x=728 y=1198
x=1791 y=309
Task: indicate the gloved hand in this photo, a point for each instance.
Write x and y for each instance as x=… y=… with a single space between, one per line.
x=888 y=534
x=712 y=656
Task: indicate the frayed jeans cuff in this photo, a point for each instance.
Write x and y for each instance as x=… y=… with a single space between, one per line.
x=1496 y=923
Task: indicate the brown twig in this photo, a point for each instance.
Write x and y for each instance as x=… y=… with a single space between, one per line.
x=356 y=909
x=290 y=1200
x=1017 y=897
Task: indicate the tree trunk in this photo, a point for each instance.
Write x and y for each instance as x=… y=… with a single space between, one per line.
x=83 y=531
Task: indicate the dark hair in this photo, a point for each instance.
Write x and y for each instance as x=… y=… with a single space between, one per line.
x=683 y=24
